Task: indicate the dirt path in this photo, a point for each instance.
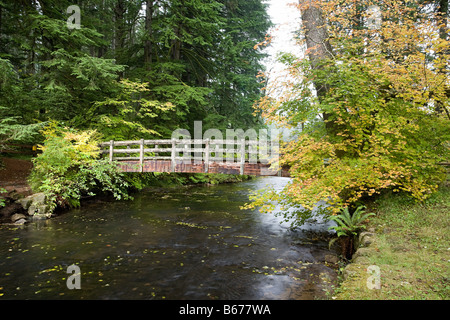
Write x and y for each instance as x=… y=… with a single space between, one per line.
x=14 y=174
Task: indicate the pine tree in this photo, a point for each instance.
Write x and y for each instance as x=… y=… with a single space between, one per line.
x=236 y=86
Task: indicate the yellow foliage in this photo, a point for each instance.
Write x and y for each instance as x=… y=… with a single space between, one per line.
x=383 y=101
x=84 y=142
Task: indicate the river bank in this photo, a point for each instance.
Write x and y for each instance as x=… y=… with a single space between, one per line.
x=409 y=248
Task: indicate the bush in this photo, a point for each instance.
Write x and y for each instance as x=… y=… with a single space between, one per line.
x=2 y=201
x=69 y=168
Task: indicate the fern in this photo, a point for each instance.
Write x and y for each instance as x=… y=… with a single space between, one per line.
x=348 y=225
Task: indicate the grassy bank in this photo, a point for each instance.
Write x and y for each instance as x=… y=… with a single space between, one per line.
x=411 y=247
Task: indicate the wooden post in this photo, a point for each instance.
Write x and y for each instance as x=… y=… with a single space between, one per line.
x=141 y=156
x=111 y=150
x=242 y=156
x=206 y=155
x=173 y=156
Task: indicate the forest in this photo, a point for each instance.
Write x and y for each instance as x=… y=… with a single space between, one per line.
x=133 y=69
x=76 y=73
x=368 y=102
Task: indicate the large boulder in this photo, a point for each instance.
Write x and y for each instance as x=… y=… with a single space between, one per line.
x=36 y=206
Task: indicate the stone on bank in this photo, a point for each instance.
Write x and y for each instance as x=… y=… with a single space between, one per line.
x=36 y=206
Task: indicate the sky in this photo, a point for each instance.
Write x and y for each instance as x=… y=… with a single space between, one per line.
x=286 y=20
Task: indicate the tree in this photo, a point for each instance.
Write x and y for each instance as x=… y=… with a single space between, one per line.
x=235 y=85
x=130 y=115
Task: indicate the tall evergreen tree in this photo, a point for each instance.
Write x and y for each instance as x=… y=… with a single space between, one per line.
x=196 y=54
x=236 y=87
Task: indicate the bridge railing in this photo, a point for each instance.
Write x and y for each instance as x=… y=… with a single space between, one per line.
x=183 y=150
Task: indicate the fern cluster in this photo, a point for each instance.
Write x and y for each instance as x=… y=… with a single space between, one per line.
x=347 y=228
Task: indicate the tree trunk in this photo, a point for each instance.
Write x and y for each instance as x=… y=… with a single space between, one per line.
x=176 y=45
x=148 y=46
x=443 y=11
x=318 y=46
x=119 y=32
x=443 y=34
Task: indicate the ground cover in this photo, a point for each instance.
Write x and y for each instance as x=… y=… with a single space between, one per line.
x=411 y=248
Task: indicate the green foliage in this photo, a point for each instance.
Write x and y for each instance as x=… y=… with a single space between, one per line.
x=195 y=55
x=130 y=115
x=11 y=130
x=347 y=228
x=348 y=225
x=12 y=127
x=69 y=168
x=75 y=81
x=2 y=201
x=128 y=73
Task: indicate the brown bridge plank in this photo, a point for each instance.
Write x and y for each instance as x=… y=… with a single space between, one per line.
x=251 y=169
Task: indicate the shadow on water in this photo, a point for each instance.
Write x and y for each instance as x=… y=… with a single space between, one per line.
x=171 y=243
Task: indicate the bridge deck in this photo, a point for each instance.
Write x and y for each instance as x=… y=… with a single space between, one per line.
x=251 y=169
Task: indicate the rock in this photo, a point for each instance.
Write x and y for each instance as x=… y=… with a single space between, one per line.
x=40 y=217
x=11 y=209
x=39 y=198
x=366 y=239
x=351 y=270
x=17 y=216
x=35 y=199
x=20 y=222
x=331 y=258
x=43 y=209
x=32 y=210
x=361 y=260
x=362 y=252
x=25 y=202
x=36 y=204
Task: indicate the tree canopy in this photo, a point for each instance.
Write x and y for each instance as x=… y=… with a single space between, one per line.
x=369 y=102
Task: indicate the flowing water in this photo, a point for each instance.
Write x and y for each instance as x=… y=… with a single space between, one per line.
x=168 y=243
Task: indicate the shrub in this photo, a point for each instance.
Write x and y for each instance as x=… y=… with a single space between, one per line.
x=2 y=201
x=69 y=168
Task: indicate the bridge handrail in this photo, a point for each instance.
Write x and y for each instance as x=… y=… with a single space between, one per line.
x=179 y=141
x=210 y=146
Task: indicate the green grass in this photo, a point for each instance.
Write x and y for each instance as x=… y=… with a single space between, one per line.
x=411 y=248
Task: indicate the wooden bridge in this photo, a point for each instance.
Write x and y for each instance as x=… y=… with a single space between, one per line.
x=243 y=157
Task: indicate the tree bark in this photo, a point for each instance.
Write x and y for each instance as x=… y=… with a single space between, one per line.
x=119 y=34
x=318 y=46
x=443 y=11
x=148 y=46
x=443 y=34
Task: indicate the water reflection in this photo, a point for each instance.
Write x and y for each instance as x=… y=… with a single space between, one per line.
x=172 y=243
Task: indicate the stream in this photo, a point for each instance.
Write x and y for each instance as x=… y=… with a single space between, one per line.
x=190 y=242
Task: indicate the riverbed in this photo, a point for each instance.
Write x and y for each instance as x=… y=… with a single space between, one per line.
x=191 y=242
